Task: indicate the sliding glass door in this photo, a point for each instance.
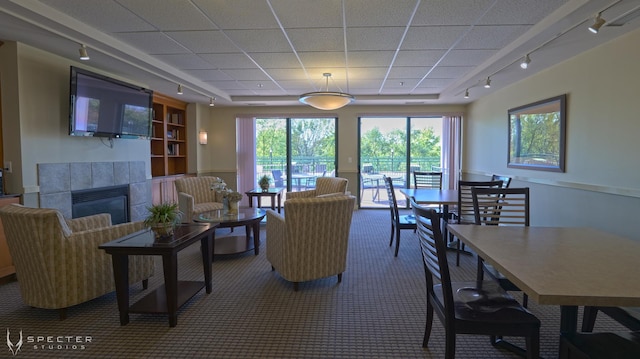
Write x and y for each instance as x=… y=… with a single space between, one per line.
x=294 y=152
x=395 y=147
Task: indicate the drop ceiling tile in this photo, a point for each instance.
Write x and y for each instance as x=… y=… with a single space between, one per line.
x=450 y=12
x=211 y=41
x=521 y=11
x=154 y=43
x=325 y=39
x=435 y=83
x=322 y=59
x=238 y=14
x=418 y=57
x=100 y=14
x=367 y=72
x=288 y=74
x=308 y=13
x=374 y=38
x=229 y=85
x=185 y=61
x=259 y=40
x=432 y=37
x=260 y=86
x=407 y=72
x=491 y=37
x=275 y=60
x=229 y=61
x=466 y=57
x=208 y=75
x=247 y=75
x=378 y=12
x=170 y=14
x=370 y=58
x=449 y=72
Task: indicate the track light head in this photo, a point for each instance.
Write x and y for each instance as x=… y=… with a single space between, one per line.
x=487 y=84
x=84 y=56
x=525 y=62
x=597 y=24
x=466 y=94
x=211 y=99
x=180 y=89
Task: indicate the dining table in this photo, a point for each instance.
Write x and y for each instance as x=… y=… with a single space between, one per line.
x=565 y=266
x=435 y=196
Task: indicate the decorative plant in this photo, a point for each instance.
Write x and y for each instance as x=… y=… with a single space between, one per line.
x=264 y=182
x=165 y=215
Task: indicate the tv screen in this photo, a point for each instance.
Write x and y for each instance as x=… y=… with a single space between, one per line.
x=106 y=107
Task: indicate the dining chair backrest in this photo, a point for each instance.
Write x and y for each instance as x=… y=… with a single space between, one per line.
x=434 y=253
x=277 y=178
x=465 y=213
x=506 y=180
x=427 y=179
x=391 y=195
x=501 y=206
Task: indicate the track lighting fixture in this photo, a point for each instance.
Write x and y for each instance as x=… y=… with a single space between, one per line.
x=466 y=94
x=84 y=56
x=211 y=99
x=487 y=84
x=525 y=62
x=597 y=24
x=179 y=89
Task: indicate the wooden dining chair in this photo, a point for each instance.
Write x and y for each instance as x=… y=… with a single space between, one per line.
x=500 y=207
x=506 y=180
x=431 y=180
x=481 y=308
x=398 y=222
x=464 y=213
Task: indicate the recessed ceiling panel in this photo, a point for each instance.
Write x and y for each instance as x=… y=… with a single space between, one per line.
x=229 y=61
x=378 y=12
x=325 y=39
x=259 y=40
x=154 y=43
x=308 y=13
x=204 y=42
x=433 y=37
x=169 y=15
x=374 y=38
x=238 y=14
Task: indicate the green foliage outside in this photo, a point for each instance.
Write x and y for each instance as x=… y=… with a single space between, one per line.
x=535 y=138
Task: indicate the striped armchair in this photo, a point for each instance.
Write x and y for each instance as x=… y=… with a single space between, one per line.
x=58 y=263
x=324 y=185
x=195 y=196
x=311 y=242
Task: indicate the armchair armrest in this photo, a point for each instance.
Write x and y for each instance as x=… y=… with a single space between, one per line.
x=186 y=202
x=276 y=238
x=302 y=194
x=100 y=220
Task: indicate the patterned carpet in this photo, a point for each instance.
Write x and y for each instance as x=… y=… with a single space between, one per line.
x=378 y=311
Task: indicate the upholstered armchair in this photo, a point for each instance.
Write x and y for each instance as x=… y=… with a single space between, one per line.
x=311 y=242
x=324 y=185
x=195 y=196
x=58 y=263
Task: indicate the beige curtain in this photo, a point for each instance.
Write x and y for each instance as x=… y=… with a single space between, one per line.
x=246 y=154
x=451 y=150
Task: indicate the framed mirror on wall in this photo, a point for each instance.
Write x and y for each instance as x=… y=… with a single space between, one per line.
x=537 y=135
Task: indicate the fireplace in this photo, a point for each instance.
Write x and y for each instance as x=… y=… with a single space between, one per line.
x=113 y=200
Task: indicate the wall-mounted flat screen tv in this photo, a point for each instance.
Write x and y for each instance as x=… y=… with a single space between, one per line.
x=104 y=107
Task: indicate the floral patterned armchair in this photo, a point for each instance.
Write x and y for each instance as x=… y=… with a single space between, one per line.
x=311 y=242
x=58 y=263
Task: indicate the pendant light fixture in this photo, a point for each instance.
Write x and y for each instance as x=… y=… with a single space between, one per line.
x=326 y=100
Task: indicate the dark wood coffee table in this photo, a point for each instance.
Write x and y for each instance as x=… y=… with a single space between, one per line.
x=167 y=298
x=271 y=192
x=248 y=217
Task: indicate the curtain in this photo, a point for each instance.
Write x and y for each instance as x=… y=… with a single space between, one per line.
x=246 y=154
x=451 y=150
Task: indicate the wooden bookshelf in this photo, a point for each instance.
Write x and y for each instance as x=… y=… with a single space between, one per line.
x=168 y=136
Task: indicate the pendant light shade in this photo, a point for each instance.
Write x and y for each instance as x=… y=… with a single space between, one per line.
x=326 y=100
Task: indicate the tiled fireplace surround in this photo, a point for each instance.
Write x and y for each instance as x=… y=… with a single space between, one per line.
x=58 y=180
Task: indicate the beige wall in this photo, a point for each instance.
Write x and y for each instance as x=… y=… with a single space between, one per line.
x=35 y=98
x=601 y=185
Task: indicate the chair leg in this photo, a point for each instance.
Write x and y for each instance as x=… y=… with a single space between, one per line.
x=533 y=346
x=458 y=253
x=272 y=269
x=525 y=300
x=145 y=284
x=393 y=229
x=428 y=326
x=480 y=270
x=589 y=318
x=397 y=241
x=295 y=286
x=450 y=343
x=339 y=277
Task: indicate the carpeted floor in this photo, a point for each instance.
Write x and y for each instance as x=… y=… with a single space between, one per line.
x=378 y=311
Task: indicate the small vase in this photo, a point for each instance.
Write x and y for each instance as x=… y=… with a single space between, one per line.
x=163 y=230
x=225 y=205
x=265 y=188
x=233 y=207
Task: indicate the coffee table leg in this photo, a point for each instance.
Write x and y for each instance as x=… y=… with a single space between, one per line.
x=256 y=237
x=170 y=266
x=273 y=202
x=279 y=202
x=121 y=277
x=206 y=249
